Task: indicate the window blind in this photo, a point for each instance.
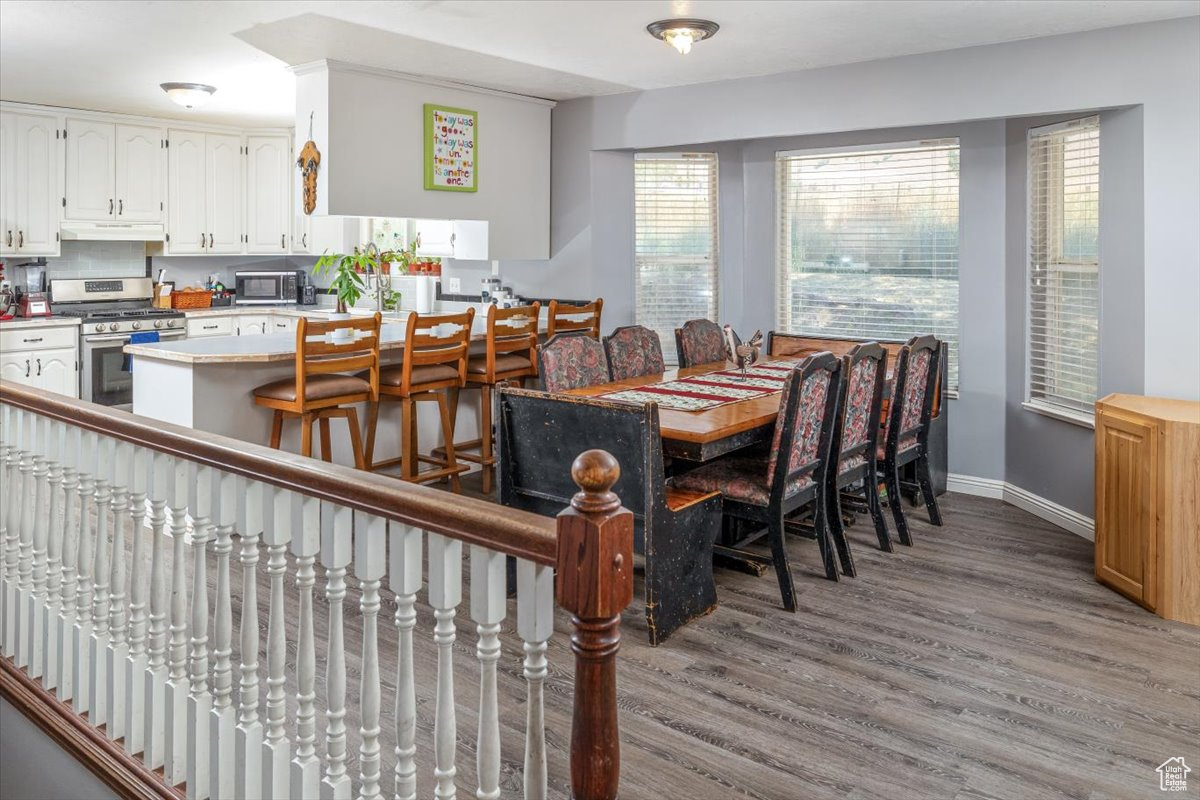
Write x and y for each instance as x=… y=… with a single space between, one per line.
x=1064 y=264
x=675 y=241
x=868 y=243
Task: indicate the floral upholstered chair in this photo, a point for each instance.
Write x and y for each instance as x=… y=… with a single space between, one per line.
x=572 y=361
x=699 y=341
x=793 y=475
x=633 y=351
x=855 y=441
x=906 y=438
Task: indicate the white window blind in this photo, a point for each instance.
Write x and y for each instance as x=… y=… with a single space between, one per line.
x=675 y=241
x=868 y=243
x=1064 y=264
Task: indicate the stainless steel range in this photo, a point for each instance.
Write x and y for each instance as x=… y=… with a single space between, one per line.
x=112 y=310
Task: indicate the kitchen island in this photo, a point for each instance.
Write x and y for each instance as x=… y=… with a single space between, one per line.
x=208 y=384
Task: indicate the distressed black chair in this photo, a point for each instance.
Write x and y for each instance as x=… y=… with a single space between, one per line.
x=906 y=440
x=855 y=443
x=572 y=361
x=541 y=434
x=793 y=475
x=633 y=352
x=699 y=341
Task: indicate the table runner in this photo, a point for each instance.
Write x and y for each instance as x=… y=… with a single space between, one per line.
x=702 y=392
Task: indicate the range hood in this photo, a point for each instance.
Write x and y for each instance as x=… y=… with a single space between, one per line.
x=112 y=232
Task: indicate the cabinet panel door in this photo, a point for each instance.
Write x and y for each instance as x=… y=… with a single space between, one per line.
x=268 y=179
x=39 y=184
x=282 y=324
x=252 y=324
x=8 y=183
x=186 y=179
x=139 y=173
x=91 y=171
x=54 y=371
x=223 y=200
x=1126 y=495
x=17 y=367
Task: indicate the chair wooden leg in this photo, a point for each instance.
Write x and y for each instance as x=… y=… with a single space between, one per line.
x=452 y=394
x=355 y=438
x=485 y=434
x=891 y=477
x=871 y=490
x=408 y=447
x=306 y=423
x=448 y=432
x=276 y=430
x=783 y=569
x=926 y=484
x=326 y=441
x=824 y=540
x=372 y=420
x=837 y=530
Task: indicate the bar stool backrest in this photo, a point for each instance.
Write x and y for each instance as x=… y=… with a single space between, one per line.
x=317 y=354
x=512 y=330
x=560 y=322
x=431 y=339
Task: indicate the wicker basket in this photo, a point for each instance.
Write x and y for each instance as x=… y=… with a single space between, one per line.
x=191 y=298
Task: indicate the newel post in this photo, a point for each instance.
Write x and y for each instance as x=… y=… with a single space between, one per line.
x=595 y=583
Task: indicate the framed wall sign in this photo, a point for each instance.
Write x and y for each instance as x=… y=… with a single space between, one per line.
x=451 y=149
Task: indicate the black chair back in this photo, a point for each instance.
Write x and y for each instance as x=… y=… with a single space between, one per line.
x=914 y=383
x=856 y=435
x=804 y=427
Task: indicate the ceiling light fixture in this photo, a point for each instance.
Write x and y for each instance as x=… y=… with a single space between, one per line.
x=188 y=95
x=683 y=33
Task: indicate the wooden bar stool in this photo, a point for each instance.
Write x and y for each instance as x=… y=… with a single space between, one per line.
x=320 y=390
x=511 y=356
x=435 y=361
x=559 y=318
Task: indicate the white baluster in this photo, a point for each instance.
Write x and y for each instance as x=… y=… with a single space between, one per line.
x=154 y=736
x=136 y=663
x=89 y=451
x=405 y=570
x=445 y=593
x=99 y=641
x=535 y=624
x=5 y=497
x=248 y=763
x=306 y=767
x=117 y=653
x=336 y=547
x=176 y=692
x=11 y=514
x=370 y=560
x=26 y=524
x=53 y=606
x=199 y=703
x=488 y=603
x=222 y=718
x=41 y=534
x=70 y=551
x=276 y=749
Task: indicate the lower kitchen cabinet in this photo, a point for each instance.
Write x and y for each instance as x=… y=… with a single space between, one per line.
x=252 y=324
x=203 y=325
x=41 y=358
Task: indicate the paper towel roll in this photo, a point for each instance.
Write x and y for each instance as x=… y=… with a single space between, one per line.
x=426 y=292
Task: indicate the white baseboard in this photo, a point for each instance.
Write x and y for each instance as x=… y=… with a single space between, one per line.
x=1025 y=500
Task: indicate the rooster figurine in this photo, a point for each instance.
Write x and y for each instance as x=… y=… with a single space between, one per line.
x=743 y=354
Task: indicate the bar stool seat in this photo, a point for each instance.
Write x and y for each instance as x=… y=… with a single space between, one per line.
x=478 y=365
x=317 y=387
x=428 y=376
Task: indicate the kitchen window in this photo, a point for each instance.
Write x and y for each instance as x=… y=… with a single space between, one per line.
x=867 y=243
x=675 y=241
x=1064 y=268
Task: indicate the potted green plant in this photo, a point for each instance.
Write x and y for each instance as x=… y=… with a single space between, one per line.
x=347 y=270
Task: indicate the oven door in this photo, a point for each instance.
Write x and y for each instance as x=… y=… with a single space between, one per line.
x=107 y=371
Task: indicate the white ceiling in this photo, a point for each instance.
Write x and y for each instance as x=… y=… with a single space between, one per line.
x=112 y=55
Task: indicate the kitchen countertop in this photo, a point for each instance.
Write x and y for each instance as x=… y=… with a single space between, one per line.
x=38 y=322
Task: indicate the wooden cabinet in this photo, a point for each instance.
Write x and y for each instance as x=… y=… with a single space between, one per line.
x=139 y=178
x=44 y=357
x=113 y=172
x=223 y=192
x=30 y=184
x=268 y=159
x=1148 y=502
x=204 y=175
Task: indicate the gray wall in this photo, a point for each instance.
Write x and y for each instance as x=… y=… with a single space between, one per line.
x=34 y=767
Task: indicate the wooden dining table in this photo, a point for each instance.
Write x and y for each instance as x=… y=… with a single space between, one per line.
x=701 y=436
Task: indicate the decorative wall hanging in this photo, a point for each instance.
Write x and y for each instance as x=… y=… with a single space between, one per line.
x=308 y=162
x=451 y=149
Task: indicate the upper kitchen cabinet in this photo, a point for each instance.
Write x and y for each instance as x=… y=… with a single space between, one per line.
x=113 y=172
x=268 y=161
x=466 y=240
x=204 y=179
x=31 y=188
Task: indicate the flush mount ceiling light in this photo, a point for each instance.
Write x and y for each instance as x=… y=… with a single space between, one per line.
x=683 y=33
x=188 y=95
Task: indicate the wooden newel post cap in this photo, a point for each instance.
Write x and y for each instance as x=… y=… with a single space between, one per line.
x=595 y=542
x=595 y=472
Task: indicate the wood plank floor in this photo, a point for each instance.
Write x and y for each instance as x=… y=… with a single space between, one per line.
x=984 y=663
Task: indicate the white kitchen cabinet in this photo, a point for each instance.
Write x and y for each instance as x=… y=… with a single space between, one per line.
x=113 y=172
x=202 y=325
x=139 y=180
x=251 y=324
x=204 y=178
x=447 y=238
x=268 y=159
x=40 y=357
x=30 y=183
x=55 y=371
x=223 y=192
x=280 y=323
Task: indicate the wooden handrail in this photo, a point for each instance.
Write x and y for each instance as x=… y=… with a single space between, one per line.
x=510 y=531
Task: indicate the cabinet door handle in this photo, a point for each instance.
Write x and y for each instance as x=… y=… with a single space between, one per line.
x=32 y=341
x=27 y=368
x=120 y=207
x=202 y=239
x=39 y=363
x=283 y=240
x=20 y=239
x=110 y=206
x=210 y=241
x=304 y=240
x=211 y=327
x=9 y=242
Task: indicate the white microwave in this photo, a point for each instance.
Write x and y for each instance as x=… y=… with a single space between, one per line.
x=267 y=287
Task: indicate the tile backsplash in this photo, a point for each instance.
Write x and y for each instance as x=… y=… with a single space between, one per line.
x=98 y=259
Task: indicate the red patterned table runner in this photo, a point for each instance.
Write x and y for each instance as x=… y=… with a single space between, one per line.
x=702 y=392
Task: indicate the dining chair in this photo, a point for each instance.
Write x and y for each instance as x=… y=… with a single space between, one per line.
x=855 y=441
x=699 y=341
x=435 y=361
x=571 y=318
x=510 y=357
x=633 y=351
x=572 y=361
x=906 y=437
x=763 y=491
x=320 y=390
